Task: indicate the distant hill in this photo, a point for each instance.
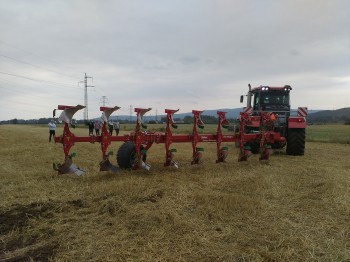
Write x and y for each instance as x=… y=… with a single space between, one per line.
x=315 y=116
x=231 y=113
x=330 y=116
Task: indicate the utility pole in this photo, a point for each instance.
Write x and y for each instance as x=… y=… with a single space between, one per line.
x=104 y=100
x=130 y=113
x=86 y=110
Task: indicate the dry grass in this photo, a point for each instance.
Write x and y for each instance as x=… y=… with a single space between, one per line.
x=289 y=209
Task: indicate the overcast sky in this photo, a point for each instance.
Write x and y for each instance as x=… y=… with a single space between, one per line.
x=186 y=54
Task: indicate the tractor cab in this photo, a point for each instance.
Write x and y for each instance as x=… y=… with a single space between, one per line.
x=270 y=99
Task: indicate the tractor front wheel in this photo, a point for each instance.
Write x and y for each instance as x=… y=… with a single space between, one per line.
x=296 y=141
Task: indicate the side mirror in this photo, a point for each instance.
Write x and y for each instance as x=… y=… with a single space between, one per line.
x=242 y=98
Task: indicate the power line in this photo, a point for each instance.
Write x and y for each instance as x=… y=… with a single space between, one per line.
x=38 y=80
x=30 y=53
x=41 y=67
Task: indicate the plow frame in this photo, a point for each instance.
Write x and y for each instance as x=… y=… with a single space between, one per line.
x=143 y=139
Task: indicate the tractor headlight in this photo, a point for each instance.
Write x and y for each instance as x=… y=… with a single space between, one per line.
x=287 y=88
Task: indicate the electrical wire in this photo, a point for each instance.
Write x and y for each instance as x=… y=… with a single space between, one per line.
x=40 y=80
x=30 y=53
x=41 y=67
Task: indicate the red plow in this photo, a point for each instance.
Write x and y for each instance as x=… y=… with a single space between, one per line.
x=133 y=152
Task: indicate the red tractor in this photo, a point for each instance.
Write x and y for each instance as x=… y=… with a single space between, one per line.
x=274 y=103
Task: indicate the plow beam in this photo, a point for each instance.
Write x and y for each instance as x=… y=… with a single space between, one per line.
x=222 y=152
x=266 y=125
x=140 y=149
x=105 y=164
x=245 y=151
x=169 y=155
x=67 y=139
x=197 y=151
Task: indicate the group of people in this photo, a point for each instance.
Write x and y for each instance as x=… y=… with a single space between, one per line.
x=98 y=125
x=115 y=126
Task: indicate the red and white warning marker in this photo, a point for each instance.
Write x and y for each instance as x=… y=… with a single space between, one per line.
x=302 y=111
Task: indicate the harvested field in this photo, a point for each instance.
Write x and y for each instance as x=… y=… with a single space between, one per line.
x=287 y=209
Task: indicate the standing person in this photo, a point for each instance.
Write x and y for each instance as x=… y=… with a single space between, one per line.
x=97 y=127
x=110 y=128
x=52 y=130
x=91 y=128
x=116 y=127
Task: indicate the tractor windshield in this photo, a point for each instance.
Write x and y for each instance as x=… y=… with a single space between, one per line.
x=271 y=101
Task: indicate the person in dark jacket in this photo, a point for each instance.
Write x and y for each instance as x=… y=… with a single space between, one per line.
x=91 y=128
x=98 y=127
x=110 y=127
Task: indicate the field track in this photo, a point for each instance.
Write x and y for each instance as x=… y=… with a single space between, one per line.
x=287 y=209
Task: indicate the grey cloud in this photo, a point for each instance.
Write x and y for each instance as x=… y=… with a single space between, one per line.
x=190 y=60
x=150 y=51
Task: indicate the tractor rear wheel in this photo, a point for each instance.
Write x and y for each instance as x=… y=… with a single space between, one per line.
x=296 y=141
x=126 y=155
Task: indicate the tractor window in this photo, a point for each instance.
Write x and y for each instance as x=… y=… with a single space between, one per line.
x=275 y=98
x=256 y=102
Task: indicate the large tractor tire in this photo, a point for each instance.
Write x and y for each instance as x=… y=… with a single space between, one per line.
x=255 y=147
x=126 y=155
x=296 y=141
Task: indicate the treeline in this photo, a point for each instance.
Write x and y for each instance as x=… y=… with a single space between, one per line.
x=205 y=118
x=186 y=120
x=40 y=121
